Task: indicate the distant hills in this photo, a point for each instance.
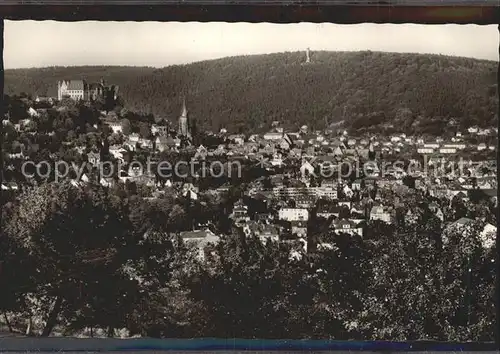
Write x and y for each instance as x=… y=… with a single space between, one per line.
x=368 y=90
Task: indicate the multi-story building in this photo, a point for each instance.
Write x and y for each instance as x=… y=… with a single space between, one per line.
x=325 y=192
x=240 y=213
x=294 y=214
x=379 y=212
x=159 y=129
x=81 y=90
x=346 y=226
x=74 y=89
x=447 y=150
x=273 y=135
x=116 y=127
x=425 y=150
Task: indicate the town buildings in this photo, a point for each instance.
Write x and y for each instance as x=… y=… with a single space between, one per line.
x=347 y=182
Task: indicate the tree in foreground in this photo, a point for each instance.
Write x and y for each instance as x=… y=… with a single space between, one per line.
x=89 y=265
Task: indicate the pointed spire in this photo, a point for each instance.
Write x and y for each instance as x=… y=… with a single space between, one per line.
x=183 y=121
x=184 y=110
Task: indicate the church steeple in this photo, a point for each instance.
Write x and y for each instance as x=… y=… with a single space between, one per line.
x=184 y=110
x=183 y=121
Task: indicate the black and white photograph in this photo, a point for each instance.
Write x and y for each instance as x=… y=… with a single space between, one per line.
x=249 y=180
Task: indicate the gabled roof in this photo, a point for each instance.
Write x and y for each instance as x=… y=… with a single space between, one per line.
x=463 y=221
x=269 y=230
x=197 y=234
x=274 y=132
x=239 y=203
x=341 y=222
x=461 y=194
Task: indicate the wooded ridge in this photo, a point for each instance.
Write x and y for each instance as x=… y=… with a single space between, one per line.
x=369 y=90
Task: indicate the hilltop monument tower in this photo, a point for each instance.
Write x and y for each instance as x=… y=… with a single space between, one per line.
x=308 y=57
x=183 y=121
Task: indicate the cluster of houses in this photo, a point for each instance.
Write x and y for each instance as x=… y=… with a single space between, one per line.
x=349 y=206
x=294 y=191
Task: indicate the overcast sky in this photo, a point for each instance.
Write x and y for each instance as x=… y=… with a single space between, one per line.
x=51 y=43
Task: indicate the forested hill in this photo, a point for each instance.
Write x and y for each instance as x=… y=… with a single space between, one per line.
x=367 y=89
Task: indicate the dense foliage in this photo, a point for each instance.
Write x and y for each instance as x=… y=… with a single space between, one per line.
x=94 y=260
x=369 y=90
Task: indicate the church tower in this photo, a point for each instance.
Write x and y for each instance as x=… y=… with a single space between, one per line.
x=183 y=121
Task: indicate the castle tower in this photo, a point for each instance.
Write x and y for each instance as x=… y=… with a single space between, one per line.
x=101 y=88
x=308 y=58
x=183 y=121
x=115 y=89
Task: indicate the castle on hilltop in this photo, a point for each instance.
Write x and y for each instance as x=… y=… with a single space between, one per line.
x=81 y=90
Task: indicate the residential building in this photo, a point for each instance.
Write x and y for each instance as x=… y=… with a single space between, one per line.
x=425 y=150
x=116 y=127
x=346 y=226
x=273 y=135
x=379 y=212
x=293 y=214
x=159 y=129
x=94 y=158
x=447 y=150
x=473 y=130
x=240 y=213
x=299 y=228
x=200 y=239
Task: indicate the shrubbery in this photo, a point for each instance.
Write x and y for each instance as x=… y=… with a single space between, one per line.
x=76 y=259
